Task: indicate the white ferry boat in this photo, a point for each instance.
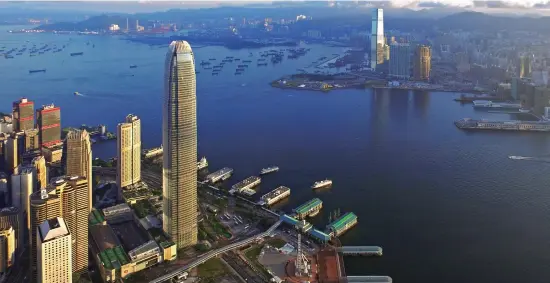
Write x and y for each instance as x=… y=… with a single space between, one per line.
x=484 y=104
x=321 y=184
x=203 y=163
x=269 y=170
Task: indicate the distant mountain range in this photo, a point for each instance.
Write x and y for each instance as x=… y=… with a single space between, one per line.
x=395 y=18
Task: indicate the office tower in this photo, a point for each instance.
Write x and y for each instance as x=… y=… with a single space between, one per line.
x=54 y=251
x=10 y=217
x=400 y=61
x=525 y=65
x=129 y=152
x=422 y=63
x=39 y=164
x=11 y=153
x=23 y=115
x=4 y=190
x=79 y=157
x=32 y=141
x=377 y=40
x=22 y=186
x=48 y=121
x=179 y=142
x=65 y=197
x=7 y=249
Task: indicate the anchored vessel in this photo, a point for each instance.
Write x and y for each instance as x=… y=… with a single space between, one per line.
x=203 y=163
x=246 y=184
x=275 y=195
x=342 y=224
x=221 y=174
x=528 y=126
x=321 y=184
x=489 y=105
x=269 y=170
x=37 y=71
x=77 y=53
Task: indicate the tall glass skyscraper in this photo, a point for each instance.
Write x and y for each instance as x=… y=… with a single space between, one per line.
x=179 y=142
x=377 y=41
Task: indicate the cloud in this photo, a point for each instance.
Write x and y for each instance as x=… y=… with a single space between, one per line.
x=432 y=5
x=544 y=5
x=497 y=5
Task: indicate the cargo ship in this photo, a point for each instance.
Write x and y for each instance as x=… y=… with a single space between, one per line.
x=220 y=175
x=321 y=184
x=203 y=163
x=269 y=170
x=77 y=53
x=274 y=196
x=37 y=71
x=342 y=224
x=247 y=183
x=514 y=125
x=310 y=208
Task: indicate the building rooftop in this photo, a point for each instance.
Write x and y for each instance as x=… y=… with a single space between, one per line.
x=342 y=221
x=103 y=237
x=308 y=205
x=52 y=229
x=129 y=234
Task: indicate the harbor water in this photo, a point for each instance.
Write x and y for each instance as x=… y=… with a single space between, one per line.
x=445 y=205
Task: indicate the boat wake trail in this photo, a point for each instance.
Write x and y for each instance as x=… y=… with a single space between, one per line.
x=538 y=159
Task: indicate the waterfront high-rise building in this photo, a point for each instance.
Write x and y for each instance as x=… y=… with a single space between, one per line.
x=65 y=197
x=400 y=61
x=54 y=251
x=39 y=164
x=48 y=121
x=129 y=152
x=422 y=63
x=78 y=159
x=377 y=40
x=23 y=115
x=179 y=142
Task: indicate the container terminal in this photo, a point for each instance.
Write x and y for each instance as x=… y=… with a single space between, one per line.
x=342 y=224
x=221 y=174
x=274 y=196
x=246 y=184
x=512 y=125
x=310 y=208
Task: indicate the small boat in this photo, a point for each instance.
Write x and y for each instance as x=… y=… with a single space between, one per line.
x=269 y=170
x=323 y=183
x=133 y=66
x=77 y=53
x=37 y=71
x=203 y=163
x=76 y=93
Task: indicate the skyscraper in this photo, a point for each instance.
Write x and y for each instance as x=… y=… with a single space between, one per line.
x=377 y=40
x=39 y=164
x=129 y=152
x=400 y=60
x=23 y=115
x=10 y=220
x=22 y=186
x=54 y=251
x=78 y=159
x=48 y=121
x=179 y=141
x=422 y=63
x=7 y=248
x=11 y=153
x=65 y=197
x=32 y=141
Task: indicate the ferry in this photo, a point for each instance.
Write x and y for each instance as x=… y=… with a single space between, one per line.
x=484 y=104
x=77 y=53
x=269 y=170
x=321 y=184
x=203 y=163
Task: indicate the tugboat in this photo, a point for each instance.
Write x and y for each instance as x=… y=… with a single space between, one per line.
x=269 y=170
x=321 y=184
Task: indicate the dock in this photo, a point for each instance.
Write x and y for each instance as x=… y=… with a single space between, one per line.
x=360 y=250
x=369 y=279
x=274 y=196
x=310 y=208
x=221 y=174
x=512 y=125
x=246 y=184
x=342 y=224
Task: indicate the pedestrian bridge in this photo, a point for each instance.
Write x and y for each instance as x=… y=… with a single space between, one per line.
x=368 y=279
x=360 y=250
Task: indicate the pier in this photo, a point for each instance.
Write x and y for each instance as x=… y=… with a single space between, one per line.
x=310 y=208
x=221 y=174
x=246 y=185
x=513 y=125
x=368 y=279
x=360 y=250
x=274 y=196
x=342 y=224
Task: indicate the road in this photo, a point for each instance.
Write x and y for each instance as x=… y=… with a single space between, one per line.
x=203 y=258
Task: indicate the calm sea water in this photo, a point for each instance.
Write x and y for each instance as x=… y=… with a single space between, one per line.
x=446 y=205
